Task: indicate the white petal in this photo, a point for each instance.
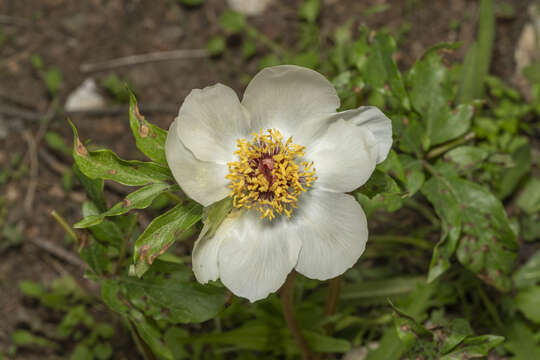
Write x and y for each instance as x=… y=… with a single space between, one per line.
x=203 y=181
x=204 y=259
x=210 y=122
x=334 y=233
x=287 y=96
x=345 y=157
x=255 y=255
x=373 y=119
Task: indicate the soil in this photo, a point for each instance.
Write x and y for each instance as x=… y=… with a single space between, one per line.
x=68 y=33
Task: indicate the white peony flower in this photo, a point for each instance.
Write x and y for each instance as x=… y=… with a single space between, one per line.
x=288 y=159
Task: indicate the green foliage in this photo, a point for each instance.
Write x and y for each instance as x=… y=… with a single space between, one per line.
x=52 y=76
x=162 y=232
x=117 y=88
x=216 y=45
x=232 y=21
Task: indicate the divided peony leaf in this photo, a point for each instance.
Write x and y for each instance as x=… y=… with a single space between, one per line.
x=165 y=292
x=150 y=139
x=106 y=165
x=487 y=245
x=381 y=70
x=162 y=232
x=430 y=95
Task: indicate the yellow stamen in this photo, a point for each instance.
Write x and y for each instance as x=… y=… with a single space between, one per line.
x=266 y=177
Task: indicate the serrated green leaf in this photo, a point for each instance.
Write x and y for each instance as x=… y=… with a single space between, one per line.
x=163 y=231
x=106 y=165
x=149 y=138
x=139 y=199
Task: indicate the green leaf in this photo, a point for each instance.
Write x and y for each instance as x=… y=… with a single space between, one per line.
x=139 y=199
x=381 y=70
x=529 y=273
x=430 y=94
x=53 y=80
x=527 y=302
x=150 y=139
x=216 y=45
x=512 y=176
x=191 y=2
x=522 y=342
x=106 y=165
x=214 y=215
x=105 y=231
x=416 y=304
x=151 y=336
x=487 y=246
x=383 y=191
x=414 y=173
x=529 y=199
x=232 y=21
x=309 y=10
x=474 y=347
x=162 y=232
x=31 y=289
x=26 y=338
x=56 y=142
x=93 y=188
x=467 y=157
x=321 y=343
x=411 y=138
x=478 y=58
x=167 y=292
x=95 y=255
x=102 y=351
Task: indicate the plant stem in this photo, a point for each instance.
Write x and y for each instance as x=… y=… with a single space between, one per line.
x=334 y=286
x=422 y=244
x=122 y=256
x=445 y=147
x=65 y=225
x=288 y=312
x=424 y=210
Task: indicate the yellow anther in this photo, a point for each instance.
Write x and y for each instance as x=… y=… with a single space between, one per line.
x=266 y=177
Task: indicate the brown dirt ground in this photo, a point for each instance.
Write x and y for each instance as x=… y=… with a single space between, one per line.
x=67 y=33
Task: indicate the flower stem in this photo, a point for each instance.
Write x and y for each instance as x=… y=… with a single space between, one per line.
x=288 y=312
x=65 y=225
x=334 y=286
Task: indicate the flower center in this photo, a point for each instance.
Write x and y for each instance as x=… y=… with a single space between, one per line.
x=266 y=177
